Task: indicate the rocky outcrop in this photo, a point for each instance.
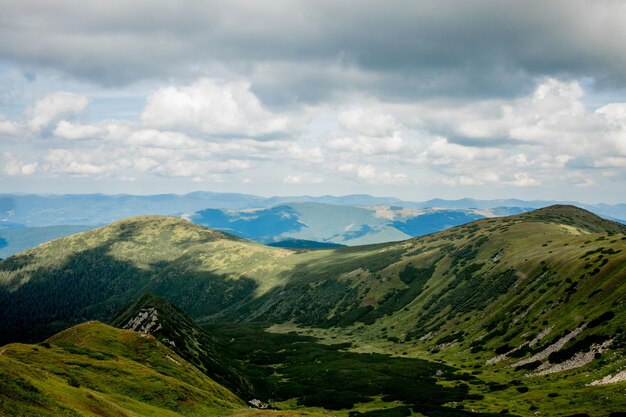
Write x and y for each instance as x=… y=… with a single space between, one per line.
x=146 y=321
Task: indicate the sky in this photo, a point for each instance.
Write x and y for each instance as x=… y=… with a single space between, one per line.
x=415 y=100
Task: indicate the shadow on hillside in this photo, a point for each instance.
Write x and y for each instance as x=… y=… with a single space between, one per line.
x=93 y=285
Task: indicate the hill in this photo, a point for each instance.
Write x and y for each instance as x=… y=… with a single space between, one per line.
x=96 y=370
x=296 y=372
x=153 y=315
x=534 y=297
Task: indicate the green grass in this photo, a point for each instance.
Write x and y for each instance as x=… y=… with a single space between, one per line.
x=94 y=369
x=461 y=297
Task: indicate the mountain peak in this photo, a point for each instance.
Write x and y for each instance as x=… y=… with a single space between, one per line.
x=571 y=215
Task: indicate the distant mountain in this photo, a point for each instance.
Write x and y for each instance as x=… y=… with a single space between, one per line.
x=99 y=209
x=303 y=244
x=27 y=220
x=343 y=225
x=19 y=239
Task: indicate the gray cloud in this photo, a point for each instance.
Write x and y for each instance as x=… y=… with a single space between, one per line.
x=297 y=51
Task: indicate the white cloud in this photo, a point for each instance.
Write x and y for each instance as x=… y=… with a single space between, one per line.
x=199 y=169
x=71 y=131
x=159 y=139
x=368 y=122
x=368 y=145
x=9 y=128
x=442 y=152
x=522 y=179
x=213 y=108
x=98 y=162
x=301 y=179
x=216 y=131
x=51 y=109
x=13 y=166
x=370 y=174
x=554 y=105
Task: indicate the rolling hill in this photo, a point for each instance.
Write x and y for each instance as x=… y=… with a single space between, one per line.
x=533 y=302
x=95 y=369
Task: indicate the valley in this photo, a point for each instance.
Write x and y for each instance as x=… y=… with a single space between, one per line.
x=519 y=315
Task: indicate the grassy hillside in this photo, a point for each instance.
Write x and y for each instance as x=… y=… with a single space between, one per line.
x=93 y=274
x=298 y=372
x=533 y=301
x=96 y=370
x=153 y=315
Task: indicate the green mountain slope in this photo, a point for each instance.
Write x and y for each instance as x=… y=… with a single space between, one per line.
x=533 y=301
x=93 y=274
x=211 y=275
x=295 y=372
x=153 y=315
x=96 y=370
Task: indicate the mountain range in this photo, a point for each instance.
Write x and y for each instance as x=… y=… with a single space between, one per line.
x=514 y=315
x=297 y=221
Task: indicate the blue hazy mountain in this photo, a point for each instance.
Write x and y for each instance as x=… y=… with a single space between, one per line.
x=343 y=225
x=346 y=220
x=99 y=209
x=19 y=239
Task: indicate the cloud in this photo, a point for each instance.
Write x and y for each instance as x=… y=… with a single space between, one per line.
x=211 y=107
x=9 y=128
x=484 y=48
x=99 y=162
x=368 y=122
x=220 y=132
x=442 y=152
x=71 y=131
x=301 y=179
x=199 y=169
x=522 y=179
x=159 y=139
x=368 y=145
x=51 y=109
x=370 y=174
x=13 y=166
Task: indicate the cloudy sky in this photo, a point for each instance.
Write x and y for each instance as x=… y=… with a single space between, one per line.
x=483 y=99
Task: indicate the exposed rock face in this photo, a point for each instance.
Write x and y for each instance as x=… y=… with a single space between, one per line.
x=533 y=342
x=146 y=321
x=552 y=348
x=611 y=379
x=578 y=360
x=258 y=404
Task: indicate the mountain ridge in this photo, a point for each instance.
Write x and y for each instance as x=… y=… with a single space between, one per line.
x=518 y=298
